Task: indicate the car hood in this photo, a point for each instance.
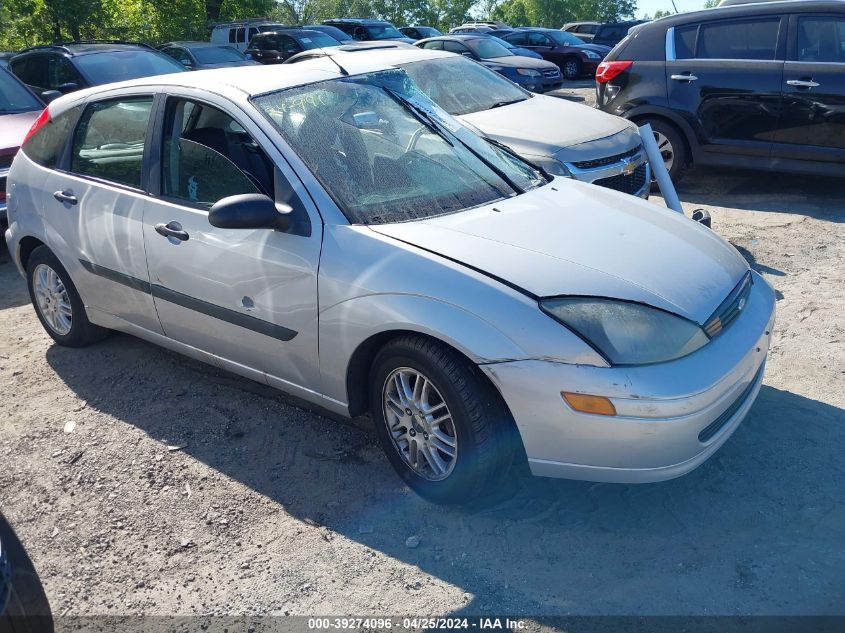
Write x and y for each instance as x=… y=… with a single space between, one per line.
x=601 y=49
x=571 y=238
x=13 y=128
x=518 y=61
x=543 y=126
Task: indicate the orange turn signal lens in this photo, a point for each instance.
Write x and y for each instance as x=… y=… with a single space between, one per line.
x=599 y=405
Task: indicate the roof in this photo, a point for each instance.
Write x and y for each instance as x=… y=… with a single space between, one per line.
x=458 y=36
x=84 y=48
x=354 y=21
x=749 y=9
x=291 y=31
x=192 y=44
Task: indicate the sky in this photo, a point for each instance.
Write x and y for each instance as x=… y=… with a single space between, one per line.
x=650 y=6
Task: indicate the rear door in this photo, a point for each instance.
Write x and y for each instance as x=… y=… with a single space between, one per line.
x=96 y=203
x=813 y=123
x=725 y=77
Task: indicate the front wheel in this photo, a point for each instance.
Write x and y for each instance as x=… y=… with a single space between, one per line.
x=571 y=68
x=444 y=430
x=672 y=148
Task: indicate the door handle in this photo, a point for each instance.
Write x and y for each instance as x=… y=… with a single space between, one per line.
x=172 y=229
x=685 y=77
x=65 y=197
x=801 y=83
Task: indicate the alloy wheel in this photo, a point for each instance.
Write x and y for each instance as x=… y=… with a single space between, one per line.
x=53 y=300
x=420 y=424
x=570 y=69
x=666 y=150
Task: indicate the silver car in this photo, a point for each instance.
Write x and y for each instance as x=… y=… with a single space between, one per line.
x=337 y=235
x=565 y=138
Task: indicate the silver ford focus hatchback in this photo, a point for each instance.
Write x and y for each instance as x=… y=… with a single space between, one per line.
x=335 y=234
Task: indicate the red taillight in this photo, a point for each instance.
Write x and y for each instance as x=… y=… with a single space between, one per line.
x=42 y=120
x=608 y=70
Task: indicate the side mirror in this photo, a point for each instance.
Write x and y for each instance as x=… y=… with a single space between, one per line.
x=186 y=63
x=250 y=211
x=468 y=54
x=68 y=87
x=50 y=95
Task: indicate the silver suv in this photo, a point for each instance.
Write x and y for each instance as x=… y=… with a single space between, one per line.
x=342 y=238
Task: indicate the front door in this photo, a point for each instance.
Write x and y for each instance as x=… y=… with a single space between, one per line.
x=813 y=123
x=248 y=297
x=726 y=79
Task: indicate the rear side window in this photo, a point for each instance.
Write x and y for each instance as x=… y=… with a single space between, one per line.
x=821 y=39
x=46 y=145
x=109 y=140
x=745 y=39
x=233 y=36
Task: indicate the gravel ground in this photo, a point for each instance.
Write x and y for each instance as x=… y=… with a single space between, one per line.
x=141 y=482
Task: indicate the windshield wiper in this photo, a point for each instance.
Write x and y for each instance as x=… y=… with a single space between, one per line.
x=499 y=104
x=422 y=115
x=538 y=168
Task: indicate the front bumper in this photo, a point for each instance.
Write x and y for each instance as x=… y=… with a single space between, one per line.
x=628 y=172
x=671 y=417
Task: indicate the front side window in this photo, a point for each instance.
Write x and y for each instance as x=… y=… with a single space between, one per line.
x=742 y=39
x=386 y=153
x=32 y=70
x=314 y=40
x=517 y=39
x=109 y=140
x=562 y=38
x=61 y=75
x=461 y=86
x=454 y=47
x=383 y=32
x=538 y=39
x=207 y=156
x=821 y=39
x=434 y=46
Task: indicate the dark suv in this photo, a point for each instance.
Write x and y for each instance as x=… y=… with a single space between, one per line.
x=757 y=85
x=364 y=30
x=277 y=46
x=61 y=68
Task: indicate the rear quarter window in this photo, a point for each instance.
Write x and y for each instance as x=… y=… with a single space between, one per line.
x=45 y=147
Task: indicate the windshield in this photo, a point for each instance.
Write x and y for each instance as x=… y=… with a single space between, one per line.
x=383 y=31
x=386 y=153
x=317 y=40
x=461 y=86
x=563 y=38
x=107 y=67
x=488 y=48
x=331 y=31
x=499 y=40
x=15 y=97
x=428 y=31
x=217 y=54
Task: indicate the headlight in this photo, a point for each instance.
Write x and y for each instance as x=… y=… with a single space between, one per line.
x=527 y=72
x=551 y=165
x=591 y=55
x=627 y=333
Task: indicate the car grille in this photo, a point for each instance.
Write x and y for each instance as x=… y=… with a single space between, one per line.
x=631 y=183
x=551 y=73
x=716 y=425
x=730 y=308
x=609 y=160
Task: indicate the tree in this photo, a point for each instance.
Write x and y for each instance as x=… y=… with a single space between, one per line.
x=555 y=13
x=661 y=14
x=710 y=4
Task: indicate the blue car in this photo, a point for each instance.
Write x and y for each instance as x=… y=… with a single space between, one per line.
x=536 y=75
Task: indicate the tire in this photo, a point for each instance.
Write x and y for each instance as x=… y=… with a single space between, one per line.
x=571 y=68
x=60 y=310
x=478 y=430
x=672 y=145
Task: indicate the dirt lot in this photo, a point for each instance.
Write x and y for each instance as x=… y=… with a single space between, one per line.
x=142 y=482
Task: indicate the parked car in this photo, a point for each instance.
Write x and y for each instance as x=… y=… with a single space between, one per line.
x=5 y=56
x=24 y=607
x=361 y=29
x=535 y=75
x=18 y=110
x=331 y=31
x=204 y=55
x=565 y=138
x=471 y=28
x=515 y=50
x=611 y=33
x=573 y=56
x=419 y=32
x=56 y=69
x=483 y=312
x=239 y=34
x=754 y=86
x=583 y=30
x=274 y=47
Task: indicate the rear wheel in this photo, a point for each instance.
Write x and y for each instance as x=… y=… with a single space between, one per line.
x=672 y=148
x=444 y=430
x=571 y=68
x=57 y=303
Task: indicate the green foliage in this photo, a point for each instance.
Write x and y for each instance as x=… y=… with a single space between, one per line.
x=661 y=14
x=709 y=4
x=28 y=22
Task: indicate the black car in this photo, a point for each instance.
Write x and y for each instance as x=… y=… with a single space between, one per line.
x=24 y=607
x=611 y=33
x=419 y=32
x=757 y=85
x=574 y=56
x=203 y=55
x=536 y=75
x=332 y=31
x=61 y=68
x=277 y=46
x=363 y=29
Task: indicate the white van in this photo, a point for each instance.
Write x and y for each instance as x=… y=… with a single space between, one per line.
x=238 y=34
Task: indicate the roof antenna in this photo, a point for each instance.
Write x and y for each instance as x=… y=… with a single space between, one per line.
x=343 y=71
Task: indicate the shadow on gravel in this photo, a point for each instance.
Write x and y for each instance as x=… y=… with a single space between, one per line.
x=814 y=196
x=24 y=607
x=13 y=292
x=760 y=523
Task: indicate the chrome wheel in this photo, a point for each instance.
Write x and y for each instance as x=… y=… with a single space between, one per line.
x=666 y=150
x=52 y=299
x=571 y=68
x=420 y=424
